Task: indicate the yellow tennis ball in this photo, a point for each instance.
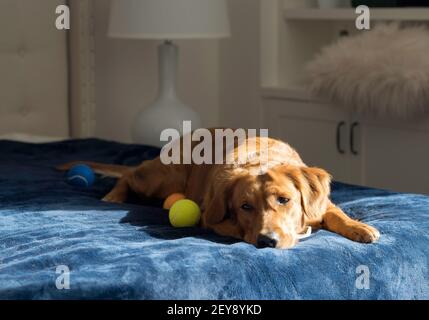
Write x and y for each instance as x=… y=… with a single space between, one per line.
x=184 y=213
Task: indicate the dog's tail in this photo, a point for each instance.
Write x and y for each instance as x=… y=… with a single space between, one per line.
x=110 y=170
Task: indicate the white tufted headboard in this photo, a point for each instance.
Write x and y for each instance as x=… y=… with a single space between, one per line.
x=46 y=75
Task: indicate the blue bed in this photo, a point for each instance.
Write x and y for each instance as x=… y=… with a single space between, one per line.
x=130 y=252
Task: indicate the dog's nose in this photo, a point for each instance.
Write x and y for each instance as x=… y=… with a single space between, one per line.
x=267 y=240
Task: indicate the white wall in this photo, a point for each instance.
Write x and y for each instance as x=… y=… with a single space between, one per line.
x=219 y=79
x=239 y=81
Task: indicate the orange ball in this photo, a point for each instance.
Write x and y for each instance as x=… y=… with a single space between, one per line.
x=172 y=199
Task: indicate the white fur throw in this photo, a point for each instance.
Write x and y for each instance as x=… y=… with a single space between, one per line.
x=384 y=72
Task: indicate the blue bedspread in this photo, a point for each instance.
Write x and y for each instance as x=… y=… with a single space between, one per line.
x=130 y=251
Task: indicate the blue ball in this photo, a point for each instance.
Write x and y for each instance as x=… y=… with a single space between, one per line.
x=81 y=175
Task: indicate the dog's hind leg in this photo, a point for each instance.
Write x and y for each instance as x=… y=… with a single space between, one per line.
x=149 y=180
x=119 y=193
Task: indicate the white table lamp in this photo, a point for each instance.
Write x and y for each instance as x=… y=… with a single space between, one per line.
x=167 y=20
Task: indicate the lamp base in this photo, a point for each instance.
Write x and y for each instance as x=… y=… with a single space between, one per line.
x=162 y=115
x=167 y=111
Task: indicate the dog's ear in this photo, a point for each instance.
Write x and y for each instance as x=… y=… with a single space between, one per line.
x=314 y=186
x=216 y=201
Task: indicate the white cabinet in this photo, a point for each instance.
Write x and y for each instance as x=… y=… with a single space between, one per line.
x=358 y=150
x=378 y=153
x=394 y=156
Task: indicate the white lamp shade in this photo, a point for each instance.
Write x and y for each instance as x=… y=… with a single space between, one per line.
x=168 y=19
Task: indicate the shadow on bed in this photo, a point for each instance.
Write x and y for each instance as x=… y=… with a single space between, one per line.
x=157 y=225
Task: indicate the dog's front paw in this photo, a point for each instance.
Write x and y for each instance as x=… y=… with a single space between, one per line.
x=361 y=232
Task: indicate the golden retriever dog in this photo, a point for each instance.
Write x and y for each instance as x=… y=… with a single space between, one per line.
x=267 y=208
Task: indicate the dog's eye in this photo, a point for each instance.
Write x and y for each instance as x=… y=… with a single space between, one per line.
x=282 y=200
x=246 y=207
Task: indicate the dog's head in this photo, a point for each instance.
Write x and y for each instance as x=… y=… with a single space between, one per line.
x=271 y=209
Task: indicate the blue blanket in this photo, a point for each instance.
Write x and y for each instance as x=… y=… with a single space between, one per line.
x=51 y=232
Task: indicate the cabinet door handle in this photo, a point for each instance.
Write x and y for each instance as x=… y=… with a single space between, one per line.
x=339 y=127
x=352 y=138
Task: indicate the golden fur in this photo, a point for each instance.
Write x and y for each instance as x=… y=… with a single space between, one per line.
x=267 y=209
